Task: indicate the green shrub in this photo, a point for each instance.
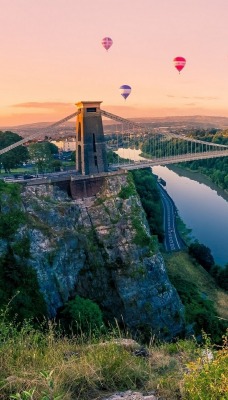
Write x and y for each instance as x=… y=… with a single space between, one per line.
x=82 y=315
x=141 y=237
x=208 y=380
x=128 y=190
x=202 y=254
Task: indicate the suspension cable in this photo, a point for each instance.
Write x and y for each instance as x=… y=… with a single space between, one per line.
x=145 y=129
x=38 y=134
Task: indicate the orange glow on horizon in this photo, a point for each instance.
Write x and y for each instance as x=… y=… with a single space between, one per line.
x=23 y=118
x=52 y=57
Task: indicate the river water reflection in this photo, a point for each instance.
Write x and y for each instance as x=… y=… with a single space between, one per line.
x=201 y=208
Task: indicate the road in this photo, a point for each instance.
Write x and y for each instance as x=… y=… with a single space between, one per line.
x=172 y=240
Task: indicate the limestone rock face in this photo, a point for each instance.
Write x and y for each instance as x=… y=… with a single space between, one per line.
x=101 y=249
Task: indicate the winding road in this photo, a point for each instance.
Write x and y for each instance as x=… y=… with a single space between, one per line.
x=172 y=240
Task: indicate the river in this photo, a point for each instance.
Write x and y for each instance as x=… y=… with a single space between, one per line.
x=202 y=207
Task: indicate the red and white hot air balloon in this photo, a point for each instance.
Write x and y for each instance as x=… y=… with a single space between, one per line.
x=125 y=90
x=107 y=43
x=179 y=63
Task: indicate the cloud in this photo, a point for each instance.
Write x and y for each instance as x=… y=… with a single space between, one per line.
x=205 y=98
x=194 y=97
x=42 y=105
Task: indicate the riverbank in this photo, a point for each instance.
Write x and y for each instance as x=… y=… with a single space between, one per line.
x=202 y=206
x=198 y=177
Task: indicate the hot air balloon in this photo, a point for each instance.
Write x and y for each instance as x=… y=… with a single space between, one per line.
x=179 y=63
x=125 y=90
x=107 y=43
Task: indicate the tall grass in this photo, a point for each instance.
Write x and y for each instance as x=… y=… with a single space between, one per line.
x=80 y=367
x=47 y=365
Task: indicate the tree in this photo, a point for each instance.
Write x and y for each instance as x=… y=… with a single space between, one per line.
x=14 y=158
x=223 y=278
x=73 y=156
x=56 y=165
x=19 y=285
x=202 y=254
x=220 y=274
x=41 y=154
x=53 y=148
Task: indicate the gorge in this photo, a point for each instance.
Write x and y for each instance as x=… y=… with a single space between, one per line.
x=99 y=248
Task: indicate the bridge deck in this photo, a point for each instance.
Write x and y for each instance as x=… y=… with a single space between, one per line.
x=70 y=177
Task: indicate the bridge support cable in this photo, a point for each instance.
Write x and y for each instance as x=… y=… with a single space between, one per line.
x=117 y=142
x=122 y=120
x=163 y=150
x=145 y=129
x=38 y=133
x=170 y=160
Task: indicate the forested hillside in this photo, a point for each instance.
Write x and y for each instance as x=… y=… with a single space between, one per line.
x=215 y=168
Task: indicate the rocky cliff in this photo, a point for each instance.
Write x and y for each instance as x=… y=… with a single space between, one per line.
x=101 y=249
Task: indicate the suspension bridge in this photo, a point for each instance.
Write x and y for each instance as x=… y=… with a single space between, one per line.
x=91 y=148
x=93 y=163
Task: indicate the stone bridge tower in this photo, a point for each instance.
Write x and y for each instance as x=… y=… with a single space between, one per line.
x=91 y=157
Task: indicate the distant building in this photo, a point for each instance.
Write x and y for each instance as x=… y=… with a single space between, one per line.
x=65 y=145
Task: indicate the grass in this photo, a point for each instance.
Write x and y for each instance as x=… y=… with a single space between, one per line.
x=32 y=169
x=79 y=368
x=180 y=265
x=45 y=365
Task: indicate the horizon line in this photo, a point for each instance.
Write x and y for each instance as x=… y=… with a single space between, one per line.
x=130 y=118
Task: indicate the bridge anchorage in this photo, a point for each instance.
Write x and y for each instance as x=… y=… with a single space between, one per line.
x=160 y=147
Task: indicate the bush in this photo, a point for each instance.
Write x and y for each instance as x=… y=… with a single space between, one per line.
x=128 y=190
x=207 y=379
x=220 y=275
x=82 y=315
x=202 y=254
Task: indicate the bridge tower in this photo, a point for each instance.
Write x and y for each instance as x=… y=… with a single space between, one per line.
x=91 y=157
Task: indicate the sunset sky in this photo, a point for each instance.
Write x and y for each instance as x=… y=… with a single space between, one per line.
x=52 y=57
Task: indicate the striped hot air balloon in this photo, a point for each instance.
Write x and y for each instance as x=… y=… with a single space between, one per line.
x=179 y=63
x=107 y=43
x=125 y=90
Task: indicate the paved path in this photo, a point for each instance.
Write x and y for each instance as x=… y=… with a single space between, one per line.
x=172 y=241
